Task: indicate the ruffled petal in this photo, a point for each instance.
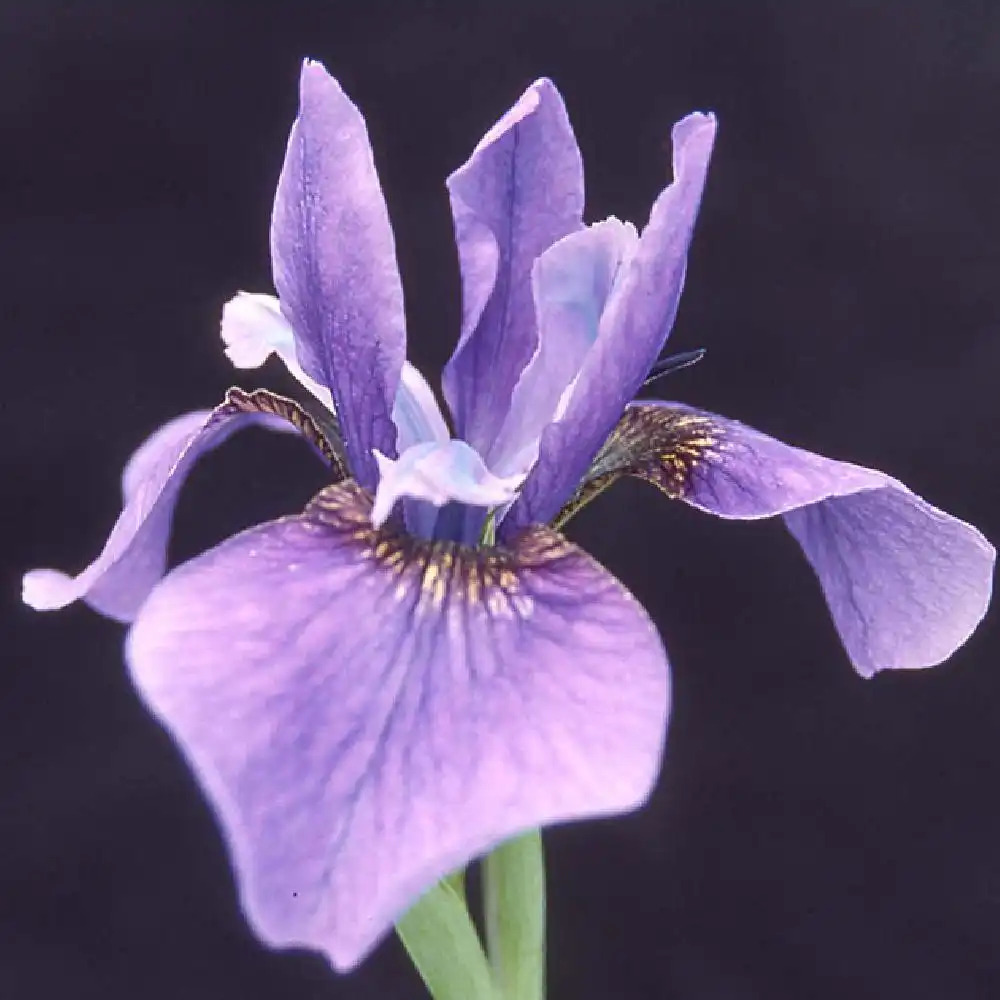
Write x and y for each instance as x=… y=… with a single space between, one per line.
x=334 y=263
x=253 y=329
x=571 y=282
x=906 y=583
x=367 y=713
x=636 y=321
x=134 y=557
x=439 y=473
x=519 y=192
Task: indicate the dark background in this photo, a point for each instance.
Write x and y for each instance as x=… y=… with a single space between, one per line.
x=813 y=834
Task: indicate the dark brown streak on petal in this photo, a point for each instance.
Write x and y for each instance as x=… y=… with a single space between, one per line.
x=263 y=401
x=660 y=444
x=439 y=571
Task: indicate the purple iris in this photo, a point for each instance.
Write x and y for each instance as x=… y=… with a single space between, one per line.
x=420 y=665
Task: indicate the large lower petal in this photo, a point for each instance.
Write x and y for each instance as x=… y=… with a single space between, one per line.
x=367 y=713
x=906 y=583
x=334 y=263
x=519 y=192
x=636 y=321
x=134 y=557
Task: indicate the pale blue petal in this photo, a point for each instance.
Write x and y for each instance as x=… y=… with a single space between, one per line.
x=253 y=328
x=439 y=473
x=571 y=282
x=636 y=321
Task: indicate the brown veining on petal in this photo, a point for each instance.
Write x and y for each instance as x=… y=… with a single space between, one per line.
x=660 y=444
x=263 y=401
x=435 y=573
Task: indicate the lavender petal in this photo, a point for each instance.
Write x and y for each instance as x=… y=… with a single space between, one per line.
x=906 y=583
x=254 y=328
x=367 y=713
x=636 y=321
x=335 y=270
x=134 y=557
x=571 y=282
x=519 y=192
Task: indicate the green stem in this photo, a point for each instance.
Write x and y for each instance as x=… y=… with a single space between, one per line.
x=442 y=942
x=514 y=905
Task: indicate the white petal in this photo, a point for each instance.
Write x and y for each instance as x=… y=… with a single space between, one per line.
x=439 y=472
x=415 y=412
x=254 y=328
x=571 y=282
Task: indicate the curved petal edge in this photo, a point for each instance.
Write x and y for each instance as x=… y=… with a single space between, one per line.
x=636 y=321
x=906 y=583
x=520 y=191
x=134 y=556
x=334 y=262
x=367 y=713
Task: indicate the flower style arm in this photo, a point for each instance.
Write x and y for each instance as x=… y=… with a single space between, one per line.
x=134 y=557
x=906 y=583
x=634 y=323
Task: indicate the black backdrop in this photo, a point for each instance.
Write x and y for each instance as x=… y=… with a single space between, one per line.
x=812 y=835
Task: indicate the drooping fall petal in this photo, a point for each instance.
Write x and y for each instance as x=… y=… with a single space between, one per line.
x=906 y=583
x=134 y=557
x=367 y=713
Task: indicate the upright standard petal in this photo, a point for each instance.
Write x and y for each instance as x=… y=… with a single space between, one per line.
x=335 y=270
x=519 y=192
x=571 y=282
x=253 y=328
x=636 y=322
x=367 y=713
x=906 y=583
x=134 y=557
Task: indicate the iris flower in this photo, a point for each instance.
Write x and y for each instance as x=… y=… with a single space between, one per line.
x=420 y=665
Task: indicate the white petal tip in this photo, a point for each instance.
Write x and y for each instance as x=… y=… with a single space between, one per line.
x=47 y=590
x=252 y=329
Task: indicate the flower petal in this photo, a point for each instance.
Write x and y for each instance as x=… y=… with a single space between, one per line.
x=439 y=473
x=335 y=270
x=415 y=411
x=367 y=713
x=571 y=282
x=253 y=329
x=134 y=557
x=519 y=192
x=906 y=583
x=634 y=326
